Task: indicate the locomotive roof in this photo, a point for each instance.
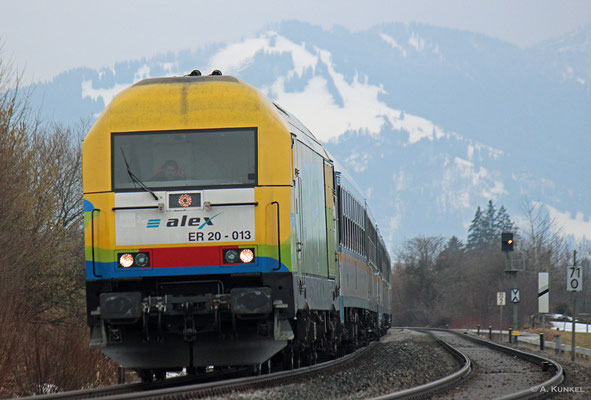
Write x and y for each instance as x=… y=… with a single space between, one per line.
x=294 y=125
x=187 y=79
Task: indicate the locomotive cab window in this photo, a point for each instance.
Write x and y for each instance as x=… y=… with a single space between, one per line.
x=179 y=159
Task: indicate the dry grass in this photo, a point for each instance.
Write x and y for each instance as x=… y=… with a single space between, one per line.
x=39 y=358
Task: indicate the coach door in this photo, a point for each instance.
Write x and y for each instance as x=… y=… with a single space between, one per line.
x=330 y=212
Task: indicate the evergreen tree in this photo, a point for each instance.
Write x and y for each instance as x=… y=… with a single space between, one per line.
x=475 y=230
x=503 y=222
x=454 y=245
x=488 y=224
x=486 y=227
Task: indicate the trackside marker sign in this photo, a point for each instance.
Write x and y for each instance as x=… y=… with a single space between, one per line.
x=543 y=293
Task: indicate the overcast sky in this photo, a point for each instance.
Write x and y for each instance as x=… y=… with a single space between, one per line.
x=43 y=38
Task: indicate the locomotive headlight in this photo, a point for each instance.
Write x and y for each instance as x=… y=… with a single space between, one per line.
x=126 y=260
x=231 y=256
x=247 y=255
x=142 y=260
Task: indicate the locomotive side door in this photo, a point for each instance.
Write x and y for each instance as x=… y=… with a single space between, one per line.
x=296 y=217
x=311 y=241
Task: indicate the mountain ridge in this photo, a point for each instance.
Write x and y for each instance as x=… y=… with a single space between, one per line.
x=432 y=121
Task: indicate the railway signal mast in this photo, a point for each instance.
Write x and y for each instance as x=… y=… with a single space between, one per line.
x=507 y=244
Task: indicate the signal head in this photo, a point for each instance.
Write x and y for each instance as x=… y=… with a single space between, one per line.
x=507 y=241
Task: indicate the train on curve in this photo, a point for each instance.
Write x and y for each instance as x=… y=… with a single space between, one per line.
x=218 y=232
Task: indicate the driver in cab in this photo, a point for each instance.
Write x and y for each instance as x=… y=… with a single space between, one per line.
x=169 y=171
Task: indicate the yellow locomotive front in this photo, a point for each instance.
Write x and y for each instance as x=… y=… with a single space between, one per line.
x=187 y=200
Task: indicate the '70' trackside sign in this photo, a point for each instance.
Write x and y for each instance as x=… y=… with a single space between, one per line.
x=574 y=278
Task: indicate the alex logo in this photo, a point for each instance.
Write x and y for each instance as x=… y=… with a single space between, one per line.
x=184 y=221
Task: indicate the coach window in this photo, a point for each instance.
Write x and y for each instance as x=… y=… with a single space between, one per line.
x=203 y=158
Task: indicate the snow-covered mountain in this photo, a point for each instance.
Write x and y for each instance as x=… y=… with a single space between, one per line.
x=431 y=122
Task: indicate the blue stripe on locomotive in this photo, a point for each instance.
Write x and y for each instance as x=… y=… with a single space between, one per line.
x=109 y=270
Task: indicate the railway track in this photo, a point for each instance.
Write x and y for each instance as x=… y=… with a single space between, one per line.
x=494 y=371
x=185 y=387
x=486 y=370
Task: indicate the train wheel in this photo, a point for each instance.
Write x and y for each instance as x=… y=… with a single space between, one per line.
x=146 y=375
x=195 y=370
x=255 y=369
x=266 y=367
x=288 y=360
x=311 y=357
x=160 y=374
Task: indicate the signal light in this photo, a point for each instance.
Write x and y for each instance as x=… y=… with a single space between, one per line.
x=142 y=260
x=231 y=256
x=247 y=256
x=129 y=260
x=126 y=260
x=507 y=241
x=238 y=256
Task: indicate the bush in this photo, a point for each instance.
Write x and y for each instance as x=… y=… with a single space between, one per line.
x=43 y=337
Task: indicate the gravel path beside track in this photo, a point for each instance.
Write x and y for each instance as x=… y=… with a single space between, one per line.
x=402 y=359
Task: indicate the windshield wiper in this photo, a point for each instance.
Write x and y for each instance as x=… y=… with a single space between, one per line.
x=135 y=179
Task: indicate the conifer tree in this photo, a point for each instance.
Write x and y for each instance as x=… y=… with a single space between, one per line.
x=488 y=224
x=475 y=230
x=486 y=227
x=454 y=245
x=503 y=222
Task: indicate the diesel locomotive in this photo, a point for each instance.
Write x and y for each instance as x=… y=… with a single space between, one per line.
x=218 y=232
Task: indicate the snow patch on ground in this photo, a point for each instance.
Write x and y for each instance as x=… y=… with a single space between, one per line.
x=237 y=56
x=467 y=169
x=170 y=68
x=463 y=180
x=107 y=94
x=417 y=42
x=358 y=162
x=362 y=110
x=390 y=40
x=567 y=326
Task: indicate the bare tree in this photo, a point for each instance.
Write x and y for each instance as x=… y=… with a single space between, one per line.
x=43 y=337
x=544 y=249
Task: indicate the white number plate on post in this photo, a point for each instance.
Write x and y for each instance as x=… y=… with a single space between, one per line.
x=574 y=279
